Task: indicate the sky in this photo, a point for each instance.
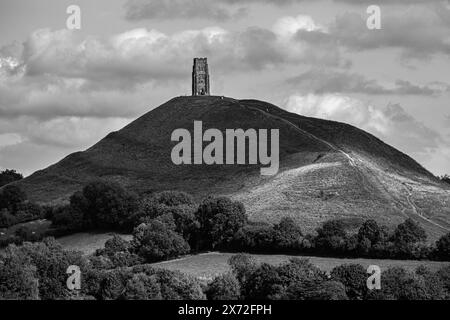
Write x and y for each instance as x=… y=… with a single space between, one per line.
x=62 y=90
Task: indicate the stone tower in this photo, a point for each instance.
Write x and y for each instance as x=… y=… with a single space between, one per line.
x=200 y=77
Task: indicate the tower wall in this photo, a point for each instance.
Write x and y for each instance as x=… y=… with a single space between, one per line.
x=200 y=77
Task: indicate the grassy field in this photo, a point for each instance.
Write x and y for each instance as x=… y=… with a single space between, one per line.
x=208 y=265
x=87 y=243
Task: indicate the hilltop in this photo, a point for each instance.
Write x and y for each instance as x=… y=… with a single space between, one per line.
x=327 y=169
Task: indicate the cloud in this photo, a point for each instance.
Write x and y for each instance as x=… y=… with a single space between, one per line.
x=191 y=9
x=419 y=32
x=391 y=123
x=329 y=81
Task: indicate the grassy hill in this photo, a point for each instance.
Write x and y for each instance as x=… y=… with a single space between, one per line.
x=327 y=169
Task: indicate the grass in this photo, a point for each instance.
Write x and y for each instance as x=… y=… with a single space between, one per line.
x=208 y=265
x=87 y=243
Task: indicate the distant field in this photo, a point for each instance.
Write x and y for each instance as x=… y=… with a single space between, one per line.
x=208 y=265
x=87 y=243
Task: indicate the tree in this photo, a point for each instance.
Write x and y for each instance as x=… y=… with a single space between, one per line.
x=354 y=278
x=409 y=232
x=443 y=247
x=223 y=287
x=7 y=219
x=219 y=219
x=155 y=242
x=288 y=235
x=255 y=238
x=113 y=284
x=445 y=179
x=10 y=197
x=174 y=198
x=444 y=275
x=371 y=231
x=328 y=290
x=105 y=205
x=242 y=266
x=18 y=278
x=331 y=236
x=8 y=176
x=143 y=287
x=399 y=284
x=263 y=284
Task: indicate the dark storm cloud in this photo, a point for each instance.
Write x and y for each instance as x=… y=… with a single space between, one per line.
x=327 y=81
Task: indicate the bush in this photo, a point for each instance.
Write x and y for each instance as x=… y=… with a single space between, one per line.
x=254 y=238
x=174 y=284
x=219 y=219
x=299 y=278
x=7 y=219
x=354 y=278
x=18 y=278
x=155 y=242
x=444 y=275
x=26 y=233
x=443 y=247
x=399 y=284
x=67 y=219
x=287 y=236
x=8 y=176
x=113 y=284
x=10 y=197
x=328 y=290
x=370 y=231
x=143 y=287
x=331 y=237
x=409 y=232
x=242 y=266
x=117 y=250
x=51 y=263
x=263 y=284
x=174 y=198
x=224 y=287
x=105 y=205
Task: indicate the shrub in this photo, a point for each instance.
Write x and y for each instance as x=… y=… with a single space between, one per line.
x=26 y=233
x=7 y=219
x=331 y=237
x=8 y=176
x=143 y=287
x=287 y=235
x=155 y=242
x=113 y=284
x=370 y=231
x=399 y=284
x=174 y=284
x=242 y=266
x=328 y=290
x=174 y=198
x=254 y=238
x=106 y=205
x=51 y=263
x=263 y=284
x=18 y=278
x=11 y=196
x=223 y=287
x=409 y=232
x=443 y=247
x=219 y=219
x=67 y=219
x=444 y=275
x=354 y=278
